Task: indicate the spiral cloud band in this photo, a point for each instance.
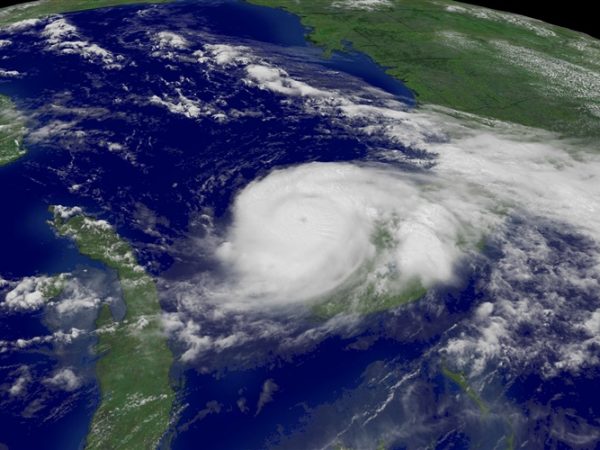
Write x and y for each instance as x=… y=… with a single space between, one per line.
x=301 y=232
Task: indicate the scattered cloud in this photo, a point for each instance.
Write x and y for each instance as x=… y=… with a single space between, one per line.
x=266 y=396
x=224 y=55
x=21 y=25
x=367 y=5
x=182 y=105
x=64 y=379
x=167 y=39
x=10 y=73
x=28 y=294
x=19 y=386
x=58 y=337
x=63 y=37
x=540 y=308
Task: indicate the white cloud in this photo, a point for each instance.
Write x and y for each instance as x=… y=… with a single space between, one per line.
x=52 y=129
x=224 y=55
x=301 y=232
x=66 y=212
x=367 y=5
x=22 y=25
x=182 y=105
x=75 y=298
x=32 y=293
x=115 y=146
x=192 y=108
x=241 y=404
x=58 y=30
x=64 y=379
x=166 y=39
x=28 y=294
x=538 y=309
x=197 y=343
x=592 y=324
x=538 y=27
x=9 y=73
x=58 y=337
x=63 y=37
x=169 y=45
x=266 y=396
x=277 y=80
x=19 y=386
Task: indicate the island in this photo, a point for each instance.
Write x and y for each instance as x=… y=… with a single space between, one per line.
x=133 y=356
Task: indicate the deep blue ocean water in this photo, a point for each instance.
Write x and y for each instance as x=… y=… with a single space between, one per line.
x=172 y=169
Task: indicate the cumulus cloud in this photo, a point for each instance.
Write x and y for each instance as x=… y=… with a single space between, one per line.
x=63 y=37
x=64 y=379
x=32 y=293
x=170 y=46
x=28 y=294
x=224 y=55
x=166 y=39
x=58 y=337
x=540 y=305
x=19 y=386
x=197 y=342
x=23 y=24
x=10 y=73
x=277 y=80
x=183 y=105
x=266 y=395
x=75 y=298
x=367 y=5
x=66 y=212
x=58 y=30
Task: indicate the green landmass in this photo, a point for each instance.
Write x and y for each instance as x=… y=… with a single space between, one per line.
x=54 y=286
x=43 y=8
x=11 y=132
x=461 y=381
x=470 y=59
x=367 y=300
x=510 y=442
x=134 y=359
x=360 y=293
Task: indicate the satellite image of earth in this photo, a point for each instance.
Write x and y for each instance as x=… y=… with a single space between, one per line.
x=297 y=224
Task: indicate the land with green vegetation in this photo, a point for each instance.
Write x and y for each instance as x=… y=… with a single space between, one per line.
x=467 y=58
x=134 y=358
x=463 y=384
x=363 y=298
x=11 y=132
x=361 y=294
x=461 y=381
x=53 y=286
x=41 y=8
